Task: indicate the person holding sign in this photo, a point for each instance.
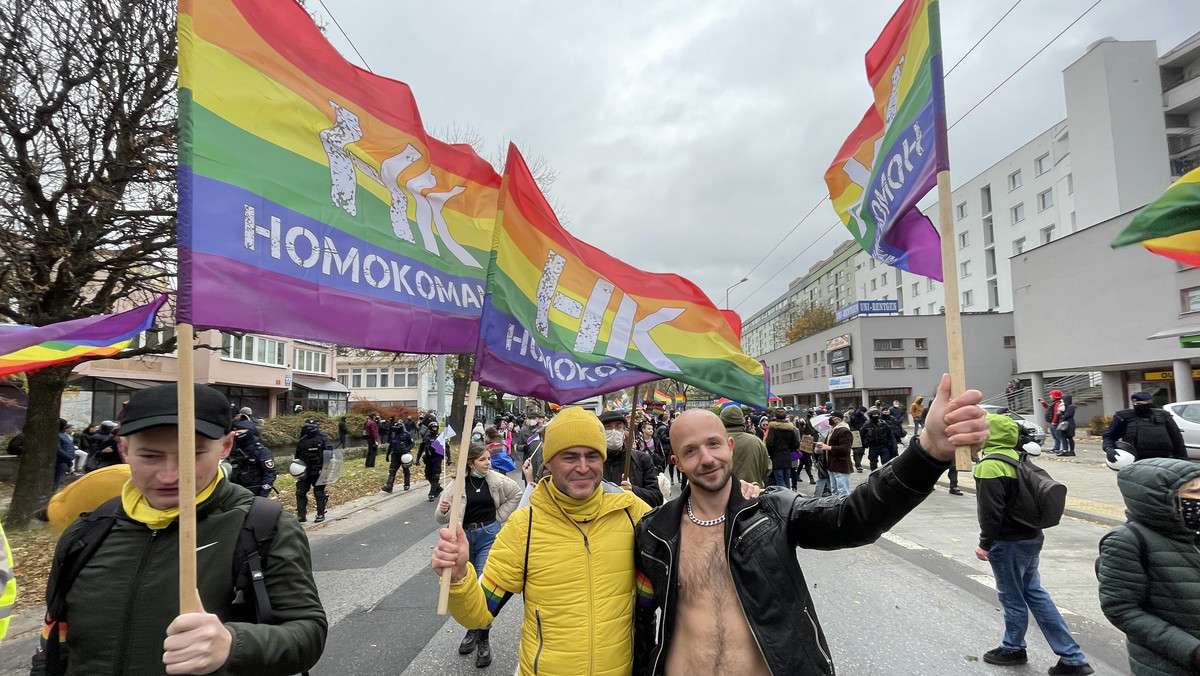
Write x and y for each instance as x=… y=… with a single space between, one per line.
x=115 y=576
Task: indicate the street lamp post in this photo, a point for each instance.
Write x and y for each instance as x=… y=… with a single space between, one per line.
x=744 y=279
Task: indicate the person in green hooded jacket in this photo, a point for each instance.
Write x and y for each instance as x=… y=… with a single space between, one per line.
x=1013 y=550
x=1149 y=568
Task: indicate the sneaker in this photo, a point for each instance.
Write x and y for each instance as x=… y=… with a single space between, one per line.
x=302 y=518
x=955 y=491
x=1005 y=658
x=386 y=489
x=1067 y=454
x=319 y=519
x=1061 y=668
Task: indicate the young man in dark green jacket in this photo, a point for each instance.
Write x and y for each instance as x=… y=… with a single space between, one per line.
x=122 y=607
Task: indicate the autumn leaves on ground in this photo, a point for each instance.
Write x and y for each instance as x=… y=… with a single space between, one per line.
x=33 y=550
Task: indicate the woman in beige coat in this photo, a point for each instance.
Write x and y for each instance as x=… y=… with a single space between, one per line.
x=488 y=498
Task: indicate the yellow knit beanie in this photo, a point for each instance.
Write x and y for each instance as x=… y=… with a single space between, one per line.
x=574 y=426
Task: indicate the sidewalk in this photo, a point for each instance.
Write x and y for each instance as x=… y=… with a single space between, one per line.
x=1092 y=493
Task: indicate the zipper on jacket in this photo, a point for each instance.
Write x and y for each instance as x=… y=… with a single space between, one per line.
x=754 y=525
x=662 y=624
x=141 y=571
x=742 y=606
x=541 y=641
x=817 y=637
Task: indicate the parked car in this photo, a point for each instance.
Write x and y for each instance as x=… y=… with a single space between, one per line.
x=1033 y=429
x=1187 y=417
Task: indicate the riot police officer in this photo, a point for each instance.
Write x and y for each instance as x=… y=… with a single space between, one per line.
x=253 y=464
x=311 y=451
x=399 y=454
x=431 y=458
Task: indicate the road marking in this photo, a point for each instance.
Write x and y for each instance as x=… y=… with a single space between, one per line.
x=985 y=580
x=903 y=542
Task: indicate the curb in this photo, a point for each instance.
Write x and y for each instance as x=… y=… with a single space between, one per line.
x=366 y=503
x=1102 y=519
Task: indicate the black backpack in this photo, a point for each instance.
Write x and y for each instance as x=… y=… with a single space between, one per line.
x=869 y=435
x=1041 y=500
x=253 y=543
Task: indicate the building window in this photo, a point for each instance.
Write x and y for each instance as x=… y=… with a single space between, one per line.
x=929 y=284
x=310 y=361
x=989 y=262
x=968 y=298
x=933 y=308
x=960 y=211
x=985 y=200
x=887 y=363
x=964 y=269
x=963 y=239
x=1017 y=213
x=883 y=279
x=1191 y=299
x=1045 y=199
x=922 y=362
x=384 y=377
x=873 y=283
x=993 y=295
x=253 y=349
x=1018 y=246
x=872 y=263
x=343 y=377
x=989 y=235
x=916 y=311
x=822 y=370
x=1010 y=341
x=372 y=377
x=406 y=376
x=155 y=335
x=888 y=344
x=1014 y=180
x=1042 y=164
x=921 y=343
x=1070 y=185
x=355 y=379
x=916 y=289
x=1047 y=233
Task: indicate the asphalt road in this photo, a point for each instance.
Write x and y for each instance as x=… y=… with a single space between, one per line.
x=916 y=602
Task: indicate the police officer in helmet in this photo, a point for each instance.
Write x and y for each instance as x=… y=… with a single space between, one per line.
x=311 y=451
x=253 y=464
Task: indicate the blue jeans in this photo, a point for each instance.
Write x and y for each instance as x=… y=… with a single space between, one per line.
x=840 y=483
x=1057 y=437
x=783 y=477
x=819 y=489
x=481 y=540
x=1019 y=586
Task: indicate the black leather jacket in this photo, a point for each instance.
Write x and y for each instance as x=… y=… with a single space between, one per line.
x=761 y=537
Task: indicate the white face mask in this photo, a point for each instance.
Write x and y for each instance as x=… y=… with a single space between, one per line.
x=616 y=439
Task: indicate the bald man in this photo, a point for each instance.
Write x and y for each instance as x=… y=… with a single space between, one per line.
x=751 y=613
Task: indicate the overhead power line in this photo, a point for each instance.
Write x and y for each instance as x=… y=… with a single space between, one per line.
x=339 y=27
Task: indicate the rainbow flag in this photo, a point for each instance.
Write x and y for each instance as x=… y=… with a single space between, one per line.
x=563 y=320
x=723 y=403
x=680 y=400
x=28 y=348
x=659 y=395
x=310 y=192
x=892 y=157
x=1170 y=225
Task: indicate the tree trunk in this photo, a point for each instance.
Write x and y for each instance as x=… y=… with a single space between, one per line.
x=464 y=367
x=35 y=472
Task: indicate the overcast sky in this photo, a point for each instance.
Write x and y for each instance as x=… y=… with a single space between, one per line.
x=691 y=136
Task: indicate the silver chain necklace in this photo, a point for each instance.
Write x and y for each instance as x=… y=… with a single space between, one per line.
x=700 y=522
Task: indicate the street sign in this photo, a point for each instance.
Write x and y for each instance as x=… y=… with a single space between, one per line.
x=841 y=383
x=867 y=307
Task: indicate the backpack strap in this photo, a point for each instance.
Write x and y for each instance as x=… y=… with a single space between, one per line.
x=253 y=543
x=99 y=522
x=528 y=537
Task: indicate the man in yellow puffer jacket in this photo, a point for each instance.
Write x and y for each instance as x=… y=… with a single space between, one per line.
x=577 y=536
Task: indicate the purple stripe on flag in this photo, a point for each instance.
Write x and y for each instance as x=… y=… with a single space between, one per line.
x=92 y=331
x=241 y=297
x=289 y=243
x=508 y=359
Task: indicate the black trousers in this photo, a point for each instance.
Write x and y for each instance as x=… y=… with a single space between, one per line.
x=302 y=485
x=395 y=466
x=372 y=449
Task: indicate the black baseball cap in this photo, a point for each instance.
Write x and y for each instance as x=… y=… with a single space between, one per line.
x=159 y=407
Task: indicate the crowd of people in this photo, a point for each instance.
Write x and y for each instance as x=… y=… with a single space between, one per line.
x=706 y=582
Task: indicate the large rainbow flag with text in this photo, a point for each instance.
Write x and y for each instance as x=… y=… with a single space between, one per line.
x=28 y=348
x=892 y=157
x=312 y=204
x=1170 y=225
x=563 y=320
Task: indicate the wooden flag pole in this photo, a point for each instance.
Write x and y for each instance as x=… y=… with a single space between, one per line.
x=954 y=340
x=187 y=471
x=629 y=443
x=456 y=505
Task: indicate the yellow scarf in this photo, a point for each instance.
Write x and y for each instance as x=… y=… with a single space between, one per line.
x=139 y=509
x=579 y=511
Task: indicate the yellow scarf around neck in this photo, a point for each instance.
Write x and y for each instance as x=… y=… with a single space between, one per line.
x=139 y=509
x=579 y=511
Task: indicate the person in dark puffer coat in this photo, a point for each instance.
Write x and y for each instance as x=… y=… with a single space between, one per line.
x=1154 y=597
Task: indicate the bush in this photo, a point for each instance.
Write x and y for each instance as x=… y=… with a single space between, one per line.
x=280 y=434
x=365 y=408
x=1098 y=424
